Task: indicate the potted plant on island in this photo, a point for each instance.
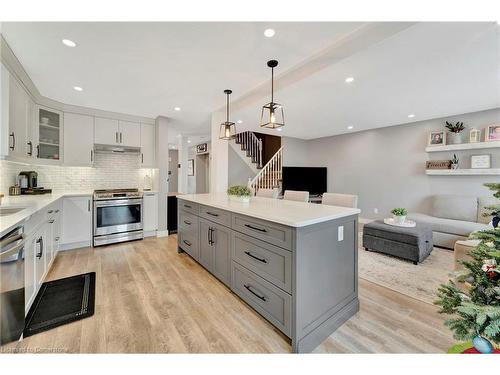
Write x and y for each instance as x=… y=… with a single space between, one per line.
x=455 y=137
x=454 y=162
x=240 y=193
x=399 y=215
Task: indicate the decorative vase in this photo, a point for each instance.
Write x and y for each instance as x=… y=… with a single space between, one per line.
x=399 y=219
x=243 y=199
x=482 y=345
x=454 y=138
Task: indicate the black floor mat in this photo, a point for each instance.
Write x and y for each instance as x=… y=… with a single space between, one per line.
x=60 y=302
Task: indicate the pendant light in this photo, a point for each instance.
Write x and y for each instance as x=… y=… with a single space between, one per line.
x=227 y=128
x=272 y=113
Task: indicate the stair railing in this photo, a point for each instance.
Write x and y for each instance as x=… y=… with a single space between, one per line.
x=269 y=177
x=252 y=145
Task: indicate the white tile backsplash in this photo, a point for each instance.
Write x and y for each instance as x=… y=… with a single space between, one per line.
x=109 y=171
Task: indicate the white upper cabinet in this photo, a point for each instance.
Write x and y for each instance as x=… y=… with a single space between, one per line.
x=78 y=139
x=4 y=110
x=148 y=145
x=130 y=134
x=49 y=126
x=106 y=131
x=19 y=119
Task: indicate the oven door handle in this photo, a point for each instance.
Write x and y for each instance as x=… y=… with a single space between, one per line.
x=121 y=202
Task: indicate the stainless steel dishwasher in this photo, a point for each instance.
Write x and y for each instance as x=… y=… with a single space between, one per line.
x=12 y=285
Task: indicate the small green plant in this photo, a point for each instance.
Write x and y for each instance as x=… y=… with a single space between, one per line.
x=455 y=159
x=455 y=128
x=239 y=191
x=399 y=212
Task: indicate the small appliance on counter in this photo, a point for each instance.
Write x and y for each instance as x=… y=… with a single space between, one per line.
x=15 y=190
x=28 y=183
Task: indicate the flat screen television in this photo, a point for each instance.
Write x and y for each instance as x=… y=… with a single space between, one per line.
x=311 y=179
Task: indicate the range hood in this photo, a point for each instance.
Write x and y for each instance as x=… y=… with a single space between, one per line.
x=114 y=149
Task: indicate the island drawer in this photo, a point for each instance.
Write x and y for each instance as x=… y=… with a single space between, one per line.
x=188 y=222
x=276 y=234
x=272 y=263
x=216 y=215
x=188 y=241
x=187 y=206
x=271 y=302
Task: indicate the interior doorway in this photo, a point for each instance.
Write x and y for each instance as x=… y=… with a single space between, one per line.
x=202 y=170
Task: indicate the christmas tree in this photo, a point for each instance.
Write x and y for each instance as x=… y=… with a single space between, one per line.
x=475 y=308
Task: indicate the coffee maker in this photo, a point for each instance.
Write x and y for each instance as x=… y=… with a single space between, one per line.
x=28 y=181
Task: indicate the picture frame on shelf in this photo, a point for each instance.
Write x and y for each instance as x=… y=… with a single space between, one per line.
x=480 y=161
x=201 y=148
x=437 y=138
x=190 y=167
x=474 y=135
x=492 y=133
x=438 y=164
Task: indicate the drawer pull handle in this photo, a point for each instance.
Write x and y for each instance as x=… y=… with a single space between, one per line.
x=51 y=221
x=187 y=242
x=187 y=222
x=212 y=214
x=249 y=288
x=254 y=257
x=187 y=206
x=50 y=211
x=255 y=228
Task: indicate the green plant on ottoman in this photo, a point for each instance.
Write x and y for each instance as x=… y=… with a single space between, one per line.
x=475 y=309
x=240 y=193
x=399 y=215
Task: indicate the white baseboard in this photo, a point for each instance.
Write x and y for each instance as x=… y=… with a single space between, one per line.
x=162 y=233
x=150 y=233
x=74 y=245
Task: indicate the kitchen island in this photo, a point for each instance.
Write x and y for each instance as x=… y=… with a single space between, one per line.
x=295 y=263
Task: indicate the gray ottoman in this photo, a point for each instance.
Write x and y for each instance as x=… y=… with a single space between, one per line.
x=413 y=244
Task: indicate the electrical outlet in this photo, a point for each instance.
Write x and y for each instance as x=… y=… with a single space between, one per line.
x=375 y=210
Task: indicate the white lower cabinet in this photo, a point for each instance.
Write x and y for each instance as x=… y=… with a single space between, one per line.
x=40 y=255
x=29 y=271
x=150 y=213
x=77 y=223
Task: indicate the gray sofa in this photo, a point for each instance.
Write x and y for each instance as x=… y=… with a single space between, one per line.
x=454 y=217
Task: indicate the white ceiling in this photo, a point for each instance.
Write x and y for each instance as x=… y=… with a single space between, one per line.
x=147 y=69
x=429 y=69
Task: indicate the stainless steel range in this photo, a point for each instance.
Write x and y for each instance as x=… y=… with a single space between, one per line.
x=117 y=216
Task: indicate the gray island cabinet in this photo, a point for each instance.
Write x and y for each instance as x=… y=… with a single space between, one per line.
x=294 y=263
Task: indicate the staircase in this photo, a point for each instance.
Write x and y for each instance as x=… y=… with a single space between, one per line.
x=270 y=176
x=252 y=146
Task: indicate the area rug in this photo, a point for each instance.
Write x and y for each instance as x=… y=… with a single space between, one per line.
x=418 y=281
x=60 y=302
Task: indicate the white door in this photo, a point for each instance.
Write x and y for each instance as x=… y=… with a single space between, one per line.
x=148 y=145
x=106 y=131
x=130 y=134
x=78 y=139
x=150 y=215
x=77 y=222
x=18 y=119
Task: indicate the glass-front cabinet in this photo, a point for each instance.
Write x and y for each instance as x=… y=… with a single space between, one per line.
x=49 y=134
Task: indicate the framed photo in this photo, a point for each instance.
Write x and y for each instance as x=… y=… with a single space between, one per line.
x=474 y=135
x=201 y=148
x=437 y=138
x=492 y=133
x=480 y=161
x=190 y=167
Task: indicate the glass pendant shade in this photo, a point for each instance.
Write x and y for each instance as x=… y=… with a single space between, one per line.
x=227 y=128
x=272 y=115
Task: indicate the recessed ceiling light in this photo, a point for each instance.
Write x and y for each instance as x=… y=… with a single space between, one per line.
x=411 y=115
x=350 y=127
x=77 y=88
x=189 y=141
x=349 y=79
x=68 y=43
x=269 y=33
x=240 y=121
x=177 y=108
x=279 y=129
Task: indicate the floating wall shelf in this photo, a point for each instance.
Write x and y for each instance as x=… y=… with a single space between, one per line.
x=464 y=146
x=463 y=172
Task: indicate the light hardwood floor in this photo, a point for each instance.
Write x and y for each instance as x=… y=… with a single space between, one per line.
x=150 y=299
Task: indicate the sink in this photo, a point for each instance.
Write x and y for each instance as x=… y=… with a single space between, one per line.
x=5 y=211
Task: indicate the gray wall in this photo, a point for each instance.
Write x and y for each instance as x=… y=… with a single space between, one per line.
x=386 y=167
x=172 y=167
x=239 y=172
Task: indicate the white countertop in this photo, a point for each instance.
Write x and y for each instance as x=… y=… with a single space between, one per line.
x=32 y=204
x=290 y=213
